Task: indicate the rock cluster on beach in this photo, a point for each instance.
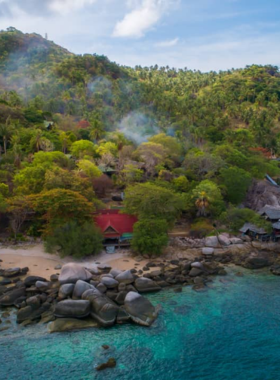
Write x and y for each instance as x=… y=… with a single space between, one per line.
x=100 y=296
x=82 y=297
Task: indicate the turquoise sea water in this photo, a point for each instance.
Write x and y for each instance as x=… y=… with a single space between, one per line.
x=231 y=331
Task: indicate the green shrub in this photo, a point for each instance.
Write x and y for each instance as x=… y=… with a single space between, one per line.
x=236 y=182
x=201 y=228
x=150 y=236
x=74 y=240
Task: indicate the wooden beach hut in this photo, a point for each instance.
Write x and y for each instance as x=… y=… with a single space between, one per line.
x=254 y=232
x=116 y=228
x=270 y=213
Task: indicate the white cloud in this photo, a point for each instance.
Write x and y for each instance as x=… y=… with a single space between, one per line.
x=143 y=16
x=65 y=6
x=234 y=48
x=168 y=43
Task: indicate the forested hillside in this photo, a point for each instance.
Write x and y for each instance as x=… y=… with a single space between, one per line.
x=179 y=142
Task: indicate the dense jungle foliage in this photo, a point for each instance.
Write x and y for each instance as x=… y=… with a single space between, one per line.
x=179 y=142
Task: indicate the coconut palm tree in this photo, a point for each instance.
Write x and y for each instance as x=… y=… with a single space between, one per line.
x=202 y=203
x=6 y=133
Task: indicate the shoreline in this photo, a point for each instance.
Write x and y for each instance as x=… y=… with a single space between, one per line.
x=43 y=264
x=63 y=292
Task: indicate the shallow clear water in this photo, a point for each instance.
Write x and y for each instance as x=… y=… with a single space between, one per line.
x=231 y=331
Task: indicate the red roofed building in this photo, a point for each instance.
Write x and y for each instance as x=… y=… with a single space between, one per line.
x=117 y=228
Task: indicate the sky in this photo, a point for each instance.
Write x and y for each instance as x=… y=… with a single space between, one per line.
x=198 y=34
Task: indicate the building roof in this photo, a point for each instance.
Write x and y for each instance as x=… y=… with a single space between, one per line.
x=271 y=212
x=114 y=224
x=276 y=225
x=251 y=227
x=271 y=180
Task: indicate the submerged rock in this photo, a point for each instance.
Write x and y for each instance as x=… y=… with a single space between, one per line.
x=28 y=313
x=257 y=262
x=69 y=324
x=140 y=309
x=111 y=363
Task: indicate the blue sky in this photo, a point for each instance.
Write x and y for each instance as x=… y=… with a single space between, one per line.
x=199 y=34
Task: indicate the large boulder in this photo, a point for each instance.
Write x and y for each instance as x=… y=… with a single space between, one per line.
x=69 y=324
x=257 y=262
x=195 y=272
x=125 y=277
x=10 y=298
x=236 y=240
x=144 y=285
x=80 y=288
x=140 y=309
x=42 y=285
x=66 y=290
x=3 y=289
x=109 y=282
x=31 y=280
x=72 y=272
x=208 y=251
x=72 y=309
x=212 y=241
x=103 y=310
x=11 y=272
x=197 y=264
x=115 y=272
x=28 y=313
x=224 y=240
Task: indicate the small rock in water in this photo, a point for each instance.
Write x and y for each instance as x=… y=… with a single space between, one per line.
x=105 y=346
x=178 y=290
x=239 y=274
x=111 y=363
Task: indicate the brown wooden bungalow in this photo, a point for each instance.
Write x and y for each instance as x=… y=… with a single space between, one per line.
x=270 y=213
x=254 y=232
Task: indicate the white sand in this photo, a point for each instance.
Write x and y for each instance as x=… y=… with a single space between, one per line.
x=42 y=264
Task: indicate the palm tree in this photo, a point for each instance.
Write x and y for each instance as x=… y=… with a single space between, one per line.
x=37 y=139
x=202 y=203
x=6 y=133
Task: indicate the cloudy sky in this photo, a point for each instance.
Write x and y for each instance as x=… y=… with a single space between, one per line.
x=198 y=34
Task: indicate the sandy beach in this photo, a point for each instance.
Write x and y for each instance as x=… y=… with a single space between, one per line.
x=43 y=264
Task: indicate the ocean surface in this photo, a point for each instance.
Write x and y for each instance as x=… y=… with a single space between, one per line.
x=231 y=331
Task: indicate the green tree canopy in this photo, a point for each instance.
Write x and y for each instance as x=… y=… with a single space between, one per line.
x=148 y=200
x=236 y=181
x=72 y=239
x=208 y=199
x=150 y=236
x=83 y=148
x=60 y=206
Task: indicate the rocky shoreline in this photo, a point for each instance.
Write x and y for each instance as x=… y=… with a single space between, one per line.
x=80 y=297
